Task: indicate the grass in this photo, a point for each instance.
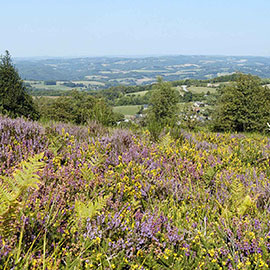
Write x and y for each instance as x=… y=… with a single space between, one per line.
x=41 y=85
x=87 y=83
x=59 y=86
x=141 y=93
x=127 y=110
x=198 y=90
x=182 y=105
x=52 y=97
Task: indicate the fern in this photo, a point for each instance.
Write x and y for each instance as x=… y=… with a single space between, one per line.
x=165 y=141
x=88 y=210
x=86 y=173
x=95 y=161
x=11 y=188
x=240 y=202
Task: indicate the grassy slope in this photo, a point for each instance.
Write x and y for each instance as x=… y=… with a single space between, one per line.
x=127 y=110
x=197 y=90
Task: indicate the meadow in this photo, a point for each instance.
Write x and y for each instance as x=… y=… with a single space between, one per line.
x=89 y=197
x=128 y=109
x=198 y=90
x=41 y=85
x=141 y=93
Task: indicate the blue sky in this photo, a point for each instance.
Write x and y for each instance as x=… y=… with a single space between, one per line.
x=136 y=27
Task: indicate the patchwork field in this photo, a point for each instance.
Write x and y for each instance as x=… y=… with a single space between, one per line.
x=141 y=70
x=127 y=110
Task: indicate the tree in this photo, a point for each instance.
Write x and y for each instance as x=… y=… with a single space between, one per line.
x=187 y=97
x=78 y=108
x=243 y=106
x=14 y=100
x=163 y=107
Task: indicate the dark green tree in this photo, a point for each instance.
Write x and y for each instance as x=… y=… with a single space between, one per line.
x=243 y=106
x=78 y=108
x=163 y=107
x=14 y=100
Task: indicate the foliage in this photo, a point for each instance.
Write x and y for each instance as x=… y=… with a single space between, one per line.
x=163 y=107
x=116 y=200
x=78 y=107
x=243 y=106
x=14 y=100
x=12 y=188
x=86 y=211
x=18 y=141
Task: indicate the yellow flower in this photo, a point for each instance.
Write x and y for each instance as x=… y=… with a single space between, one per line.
x=99 y=255
x=212 y=252
x=97 y=240
x=240 y=265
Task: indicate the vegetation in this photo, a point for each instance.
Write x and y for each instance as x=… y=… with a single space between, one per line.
x=163 y=107
x=125 y=95
x=50 y=83
x=243 y=106
x=90 y=196
x=14 y=100
x=78 y=108
x=106 y=72
x=99 y=200
x=127 y=110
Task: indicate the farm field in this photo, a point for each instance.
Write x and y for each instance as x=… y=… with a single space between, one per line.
x=37 y=97
x=41 y=85
x=89 y=83
x=127 y=110
x=140 y=93
x=90 y=197
x=197 y=90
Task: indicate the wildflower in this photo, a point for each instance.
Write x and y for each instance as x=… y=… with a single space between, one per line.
x=212 y=252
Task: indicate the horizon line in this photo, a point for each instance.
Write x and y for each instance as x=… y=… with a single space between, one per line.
x=46 y=57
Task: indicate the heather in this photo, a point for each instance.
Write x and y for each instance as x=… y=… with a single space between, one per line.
x=89 y=197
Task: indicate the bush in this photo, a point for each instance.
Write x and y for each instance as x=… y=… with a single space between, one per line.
x=78 y=108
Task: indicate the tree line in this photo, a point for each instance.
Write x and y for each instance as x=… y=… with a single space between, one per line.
x=77 y=107
x=241 y=106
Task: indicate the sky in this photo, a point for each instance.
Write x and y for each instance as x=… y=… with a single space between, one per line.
x=73 y=28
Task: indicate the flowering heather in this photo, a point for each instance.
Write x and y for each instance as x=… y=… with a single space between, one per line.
x=116 y=200
x=18 y=140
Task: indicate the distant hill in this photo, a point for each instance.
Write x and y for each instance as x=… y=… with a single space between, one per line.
x=110 y=71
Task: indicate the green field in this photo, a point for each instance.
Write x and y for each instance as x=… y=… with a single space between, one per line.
x=127 y=110
x=141 y=93
x=87 y=83
x=59 y=86
x=37 y=97
x=41 y=85
x=197 y=90
x=179 y=89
